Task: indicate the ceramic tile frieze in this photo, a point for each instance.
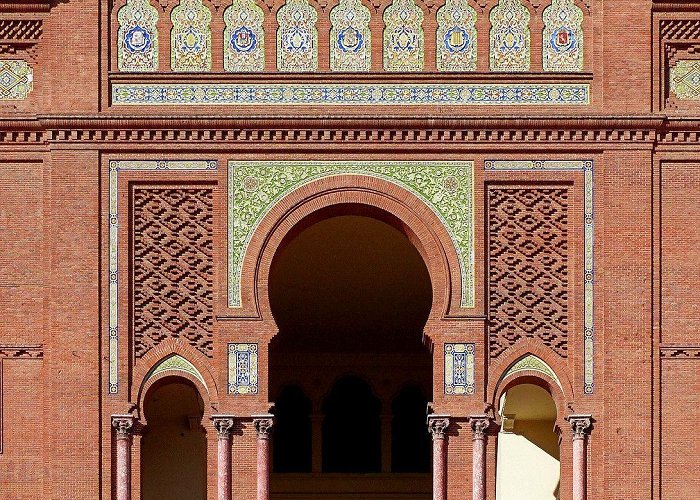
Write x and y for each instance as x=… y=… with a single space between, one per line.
x=244 y=37
x=115 y=167
x=562 y=38
x=351 y=38
x=460 y=369
x=137 y=39
x=456 y=37
x=510 y=37
x=445 y=187
x=371 y=94
x=404 y=40
x=190 y=38
x=16 y=80
x=297 y=37
x=243 y=369
x=586 y=168
x=685 y=80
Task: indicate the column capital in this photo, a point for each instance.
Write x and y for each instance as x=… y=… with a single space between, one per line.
x=263 y=425
x=123 y=425
x=580 y=424
x=437 y=425
x=223 y=425
x=479 y=424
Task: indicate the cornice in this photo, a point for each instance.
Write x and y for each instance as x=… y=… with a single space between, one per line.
x=591 y=130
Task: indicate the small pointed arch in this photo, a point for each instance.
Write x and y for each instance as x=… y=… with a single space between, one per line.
x=190 y=37
x=297 y=37
x=510 y=37
x=175 y=362
x=530 y=362
x=456 y=37
x=562 y=37
x=351 y=38
x=137 y=38
x=244 y=37
x=404 y=39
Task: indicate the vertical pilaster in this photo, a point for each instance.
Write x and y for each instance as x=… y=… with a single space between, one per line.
x=224 y=426
x=438 y=424
x=479 y=425
x=123 y=426
x=263 y=426
x=580 y=425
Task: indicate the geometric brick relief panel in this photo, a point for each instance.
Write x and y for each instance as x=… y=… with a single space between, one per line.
x=173 y=267
x=527 y=267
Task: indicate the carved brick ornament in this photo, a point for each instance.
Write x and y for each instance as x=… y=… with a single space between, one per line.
x=173 y=267
x=528 y=268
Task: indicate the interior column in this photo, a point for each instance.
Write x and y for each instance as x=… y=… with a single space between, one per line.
x=438 y=424
x=224 y=426
x=479 y=424
x=263 y=427
x=580 y=425
x=123 y=425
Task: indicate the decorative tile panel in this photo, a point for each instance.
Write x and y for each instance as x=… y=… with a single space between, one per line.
x=244 y=37
x=190 y=38
x=404 y=41
x=297 y=37
x=351 y=38
x=114 y=168
x=459 y=369
x=586 y=167
x=456 y=37
x=531 y=362
x=173 y=268
x=137 y=39
x=243 y=368
x=562 y=38
x=177 y=363
x=305 y=94
x=445 y=187
x=685 y=80
x=528 y=271
x=16 y=80
x=510 y=36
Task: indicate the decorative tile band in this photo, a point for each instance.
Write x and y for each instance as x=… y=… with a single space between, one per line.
x=468 y=94
x=114 y=168
x=685 y=80
x=16 y=80
x=177 y=363
x=255 y=187
x=585 y=166
x=459 y=369
x=531 y=363
x=243 y=368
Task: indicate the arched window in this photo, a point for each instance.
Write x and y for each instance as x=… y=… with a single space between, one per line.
x=562 y=38
x=244 y=37
x=351 y=38
x=138 y=37
x=410 y=440
x=292 y=432
x=352 y=428
x=403 y=37
x=456 y=37
x=190 y=38
x=297 y=37
x=510 y=36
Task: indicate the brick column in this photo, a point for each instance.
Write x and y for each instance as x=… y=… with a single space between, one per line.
x=438 y=424
x=479 y=424
x=263 y=427
x=223 y=425
x=123 y=425
x=580 y=425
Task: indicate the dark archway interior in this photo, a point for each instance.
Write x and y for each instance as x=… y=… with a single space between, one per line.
x=173 y=447
x=349 y=373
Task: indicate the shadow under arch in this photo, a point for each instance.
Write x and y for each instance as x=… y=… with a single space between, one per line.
x=358 y=195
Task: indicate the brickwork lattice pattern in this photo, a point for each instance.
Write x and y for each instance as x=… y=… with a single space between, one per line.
x=528 y=269
x=173 y=268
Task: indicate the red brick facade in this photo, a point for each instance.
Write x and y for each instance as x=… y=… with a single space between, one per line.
x=57 y=438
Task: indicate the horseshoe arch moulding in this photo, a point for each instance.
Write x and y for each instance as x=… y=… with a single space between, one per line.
x=432 y=202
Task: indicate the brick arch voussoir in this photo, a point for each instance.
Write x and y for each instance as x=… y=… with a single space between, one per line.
x=421 y=225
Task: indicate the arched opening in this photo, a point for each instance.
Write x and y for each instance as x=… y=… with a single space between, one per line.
x=528 y=462
x=292 y=431
x=351 y=296
x=173 y=447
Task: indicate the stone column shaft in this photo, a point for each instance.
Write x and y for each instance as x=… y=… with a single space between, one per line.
x=263 y=426
x=438 y=424
x=479 y=424
x=580 y=425
x=224 y=426
x=123 y=425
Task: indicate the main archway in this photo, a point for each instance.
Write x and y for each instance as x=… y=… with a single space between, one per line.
x=350 y=295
